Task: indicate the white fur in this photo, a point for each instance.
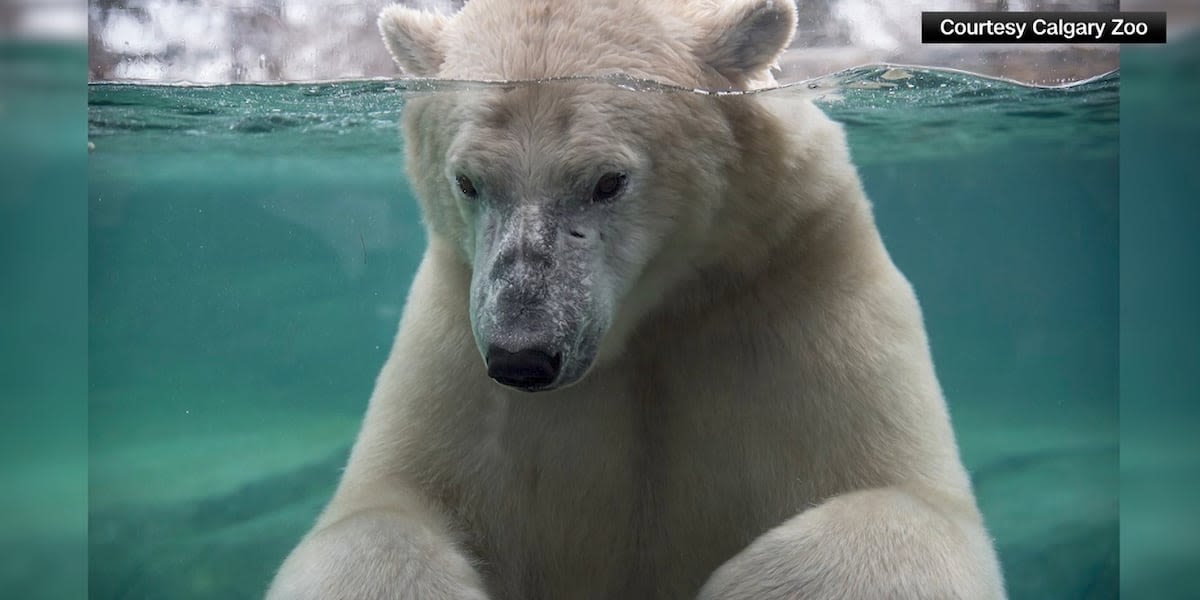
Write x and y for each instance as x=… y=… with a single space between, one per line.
x=762 y=419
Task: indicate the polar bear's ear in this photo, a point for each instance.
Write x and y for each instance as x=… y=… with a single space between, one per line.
x=414 y=38
x=744 y=38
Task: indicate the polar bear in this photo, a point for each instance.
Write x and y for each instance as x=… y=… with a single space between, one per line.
x=655 y=347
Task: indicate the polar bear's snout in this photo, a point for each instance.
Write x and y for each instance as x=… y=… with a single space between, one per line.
x=539 y=305
x=528 y=369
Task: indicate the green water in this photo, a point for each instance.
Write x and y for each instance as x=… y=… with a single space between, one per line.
x=250 y=248
x=1160 y=326
x=43 y=322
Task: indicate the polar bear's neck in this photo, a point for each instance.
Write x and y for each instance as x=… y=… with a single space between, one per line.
x=812 y=228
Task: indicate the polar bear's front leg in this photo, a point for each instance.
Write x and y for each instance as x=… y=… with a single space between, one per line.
x=377 y=556
x=381 y=537
x=866 y=545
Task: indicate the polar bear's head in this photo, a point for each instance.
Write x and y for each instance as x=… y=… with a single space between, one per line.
x=577 y=203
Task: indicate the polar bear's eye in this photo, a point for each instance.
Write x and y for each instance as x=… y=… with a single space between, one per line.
x=609 y=186
x=466 y=187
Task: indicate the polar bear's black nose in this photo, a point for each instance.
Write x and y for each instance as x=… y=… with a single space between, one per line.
x=527 y=369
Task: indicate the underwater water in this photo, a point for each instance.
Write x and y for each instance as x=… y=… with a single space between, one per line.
x=43 y=322
x=250 y=249
x=1160 y=326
